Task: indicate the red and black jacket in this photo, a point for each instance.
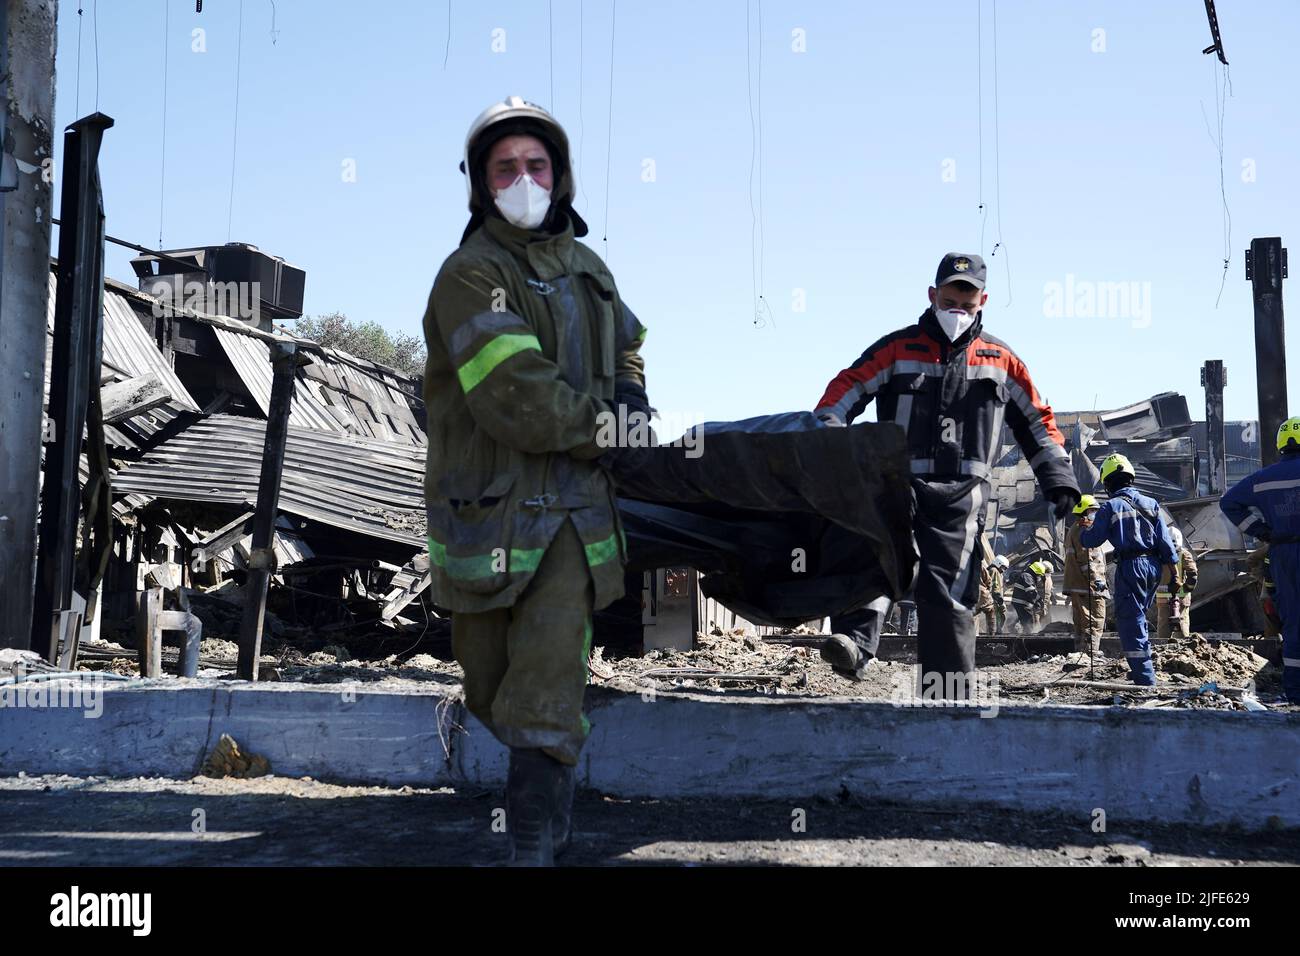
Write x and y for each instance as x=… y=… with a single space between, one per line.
x=952 y=399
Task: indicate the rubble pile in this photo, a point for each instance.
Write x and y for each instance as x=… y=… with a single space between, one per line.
x=1224 y=664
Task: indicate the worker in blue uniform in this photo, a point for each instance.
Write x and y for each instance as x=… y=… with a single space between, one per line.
x=1131 y=522
x=1266 y=504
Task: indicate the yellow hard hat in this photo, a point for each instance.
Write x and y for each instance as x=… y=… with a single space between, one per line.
x=1114 y=463
x=1038 y=567
x=1086 y=503
x=1288 y=435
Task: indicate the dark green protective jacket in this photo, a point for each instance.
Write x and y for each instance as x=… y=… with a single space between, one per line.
x=527 y=341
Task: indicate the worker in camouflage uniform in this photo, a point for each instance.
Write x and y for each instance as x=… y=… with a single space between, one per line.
x=985 y=616
x=1085 y=581
x=530 y=350
x=1174 y=599
x=998 y=585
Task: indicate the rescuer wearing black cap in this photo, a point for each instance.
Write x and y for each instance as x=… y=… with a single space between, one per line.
x=950 y=386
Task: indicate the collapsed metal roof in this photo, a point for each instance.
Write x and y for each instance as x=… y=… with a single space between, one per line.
x=349 y=483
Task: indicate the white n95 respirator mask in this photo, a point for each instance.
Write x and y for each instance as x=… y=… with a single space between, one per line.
x=954 y=322
x=524 y=203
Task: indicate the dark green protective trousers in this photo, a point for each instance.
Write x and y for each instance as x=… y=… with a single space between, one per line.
x=526 y=665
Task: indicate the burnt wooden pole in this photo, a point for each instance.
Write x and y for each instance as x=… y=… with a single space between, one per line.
x=1214 y=377
x=1266 y=268
x=261 y=560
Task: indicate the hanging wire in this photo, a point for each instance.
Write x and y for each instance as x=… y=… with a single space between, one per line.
x=1220 y=105
x=753 y=158
x=446 y=50
x=274 y=32
x=550 y=51
x=162 y=173
x=234 y=136
x=979 y=108
x=757 y=303
x=609 y=134
x=765 y=312
x=997 y=157
x=96 y=26
x=80 y=18
x=582 y=129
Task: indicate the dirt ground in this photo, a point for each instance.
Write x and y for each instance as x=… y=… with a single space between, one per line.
x=276 y=821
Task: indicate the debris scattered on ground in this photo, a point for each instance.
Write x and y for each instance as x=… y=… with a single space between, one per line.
x=227 y=760
x=1224 y=664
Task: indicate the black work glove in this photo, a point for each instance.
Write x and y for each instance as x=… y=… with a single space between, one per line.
x=625 y=458
x=1264 y=533
x=1063 y=502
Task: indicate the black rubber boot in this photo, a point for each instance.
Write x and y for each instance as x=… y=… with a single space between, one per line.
x=535 y=787
x=562 y=823
x=845 y=657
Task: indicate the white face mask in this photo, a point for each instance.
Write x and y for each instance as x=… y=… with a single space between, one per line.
x=524 y=203
x=953 y=322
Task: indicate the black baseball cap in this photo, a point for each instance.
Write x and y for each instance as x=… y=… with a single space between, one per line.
x=961 y=267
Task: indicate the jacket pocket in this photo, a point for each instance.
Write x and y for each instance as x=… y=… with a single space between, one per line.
x=471 y=537
x=605 y=317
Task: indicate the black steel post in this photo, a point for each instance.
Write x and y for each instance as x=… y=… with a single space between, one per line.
x=1214 y=378
x=1266 y=268
x=74 y=372
x=262 y=555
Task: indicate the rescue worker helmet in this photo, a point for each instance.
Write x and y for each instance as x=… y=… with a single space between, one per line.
x=1039 y=568
x=1086 y=503
x=1117 y=463
x=1288 y=436
x=515 y=115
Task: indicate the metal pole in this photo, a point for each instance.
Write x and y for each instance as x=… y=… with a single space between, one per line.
x=261 y=560
x=1266 y=268
x=74 y=372
x=1214 y=377
x=27 y=85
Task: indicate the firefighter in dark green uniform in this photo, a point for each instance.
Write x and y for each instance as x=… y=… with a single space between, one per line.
x=531 y=351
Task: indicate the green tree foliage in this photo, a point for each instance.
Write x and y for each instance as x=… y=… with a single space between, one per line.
x=367 y=340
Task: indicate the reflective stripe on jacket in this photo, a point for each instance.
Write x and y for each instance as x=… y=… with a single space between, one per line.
x=952 y=400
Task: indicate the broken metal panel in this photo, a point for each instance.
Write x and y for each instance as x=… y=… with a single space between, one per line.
x=345 y=482
x=1162 y=412
x=251 y=358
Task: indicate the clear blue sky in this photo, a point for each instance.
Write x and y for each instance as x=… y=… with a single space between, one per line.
x=1107 y=170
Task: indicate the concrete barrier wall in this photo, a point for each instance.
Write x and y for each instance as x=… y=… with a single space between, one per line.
x=1166 y=765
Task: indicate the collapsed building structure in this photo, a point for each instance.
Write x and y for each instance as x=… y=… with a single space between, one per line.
x=1173 y=458
x=187 y=394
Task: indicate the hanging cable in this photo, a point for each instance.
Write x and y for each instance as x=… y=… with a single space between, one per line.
x=446 y=50
x=80 y=18
x=997 y=158
x=1220 y=106
x=979 y=108
x=757 y=304
x=274 y=32
x=96 y=27
x=582 y=129
x=234 y=137
x=162 y=172
x=609 y=129
x=765 y=311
